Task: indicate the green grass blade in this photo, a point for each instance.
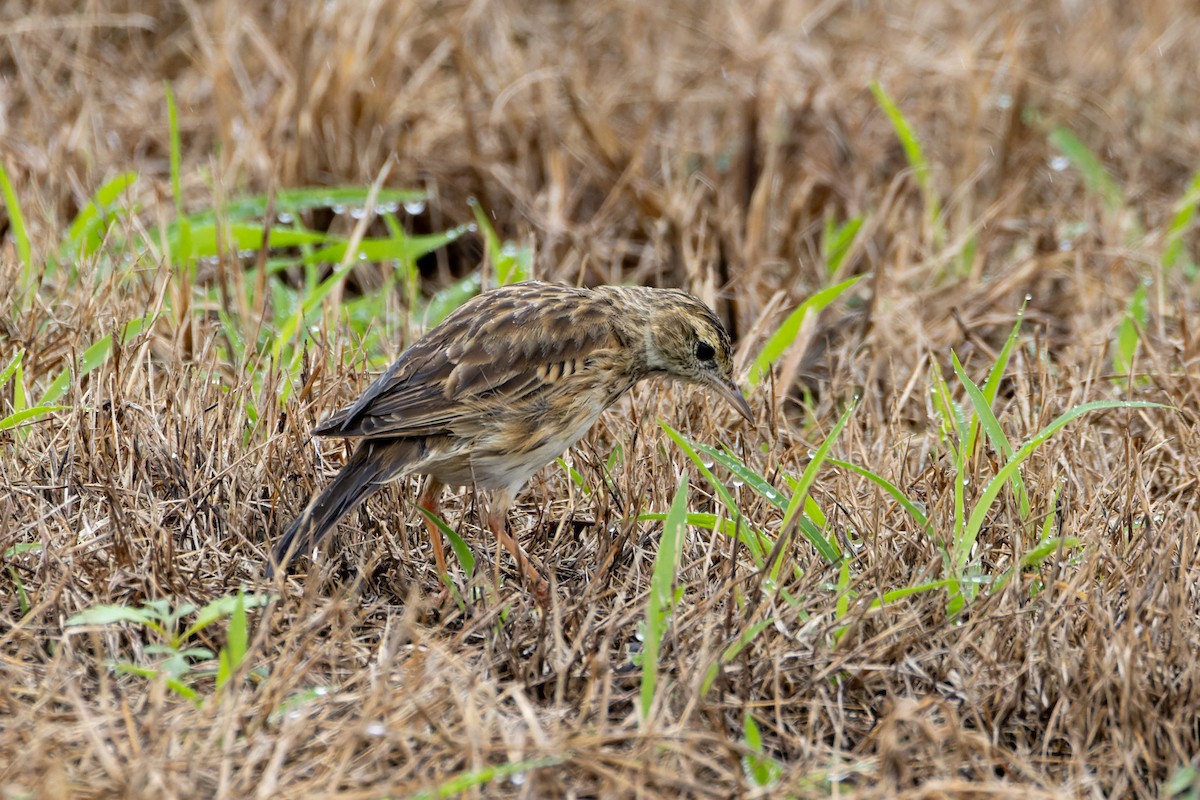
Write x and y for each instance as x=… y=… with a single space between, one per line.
x=108 y=614
x=908 y=591
x=778 y=343
x=1095 y=177
x=509 y=262
x=836 y=242
x=991 y=387
x=988 y=496
x=662 y=594
x=742 y=472
x=13 y=365
x=752 y=538
x=914 y=510
x=991 y=426
x=90 y=225
x=16 y=224
x=447 y=300
x=1129 y=332
x=461 y=550
x=916 y=159
x=236 y=642
x=1175 y=255
x=824 y=546
x=94 y=356
x=175 y=147
x=463 y=783
x=24 y=415
x=224 y=607
x=290 y=202
x=733 y=650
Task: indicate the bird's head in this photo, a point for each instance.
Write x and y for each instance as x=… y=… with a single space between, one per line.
x=685 y=340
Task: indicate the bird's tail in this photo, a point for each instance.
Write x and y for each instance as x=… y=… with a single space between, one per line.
x=371 y=466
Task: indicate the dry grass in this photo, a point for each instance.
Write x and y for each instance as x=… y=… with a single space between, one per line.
x=673 y=143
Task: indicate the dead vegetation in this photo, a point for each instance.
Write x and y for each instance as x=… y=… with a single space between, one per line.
x=676 y=143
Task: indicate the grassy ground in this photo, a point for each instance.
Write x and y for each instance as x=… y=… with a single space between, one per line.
x=933 y=624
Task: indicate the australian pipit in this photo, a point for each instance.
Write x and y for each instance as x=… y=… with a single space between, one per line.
x=501 y=388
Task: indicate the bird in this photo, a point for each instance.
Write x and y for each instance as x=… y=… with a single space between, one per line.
x=500 y=388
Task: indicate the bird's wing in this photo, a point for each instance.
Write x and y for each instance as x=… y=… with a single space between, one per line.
x=501 y=348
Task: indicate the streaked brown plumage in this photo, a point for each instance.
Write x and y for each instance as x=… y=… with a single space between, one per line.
x=502 y=387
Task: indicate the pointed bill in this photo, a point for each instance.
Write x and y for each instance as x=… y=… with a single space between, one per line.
x=730 y=391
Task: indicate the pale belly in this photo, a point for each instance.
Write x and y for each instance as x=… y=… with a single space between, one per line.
x=489 y=469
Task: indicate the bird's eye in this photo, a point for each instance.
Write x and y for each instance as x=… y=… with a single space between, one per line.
x=705 y=351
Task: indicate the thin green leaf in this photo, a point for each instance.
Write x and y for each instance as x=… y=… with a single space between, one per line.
x=992 y=489
x=1174 y=253
x=915 y=510
x=224 y=607
x=26 y=414
x=796 y=504
x=107 y=615
x=16 y=225
x=175 y=147
x=732 y=650
x=744 y=473
x=1095 y=176
x=995 y=433
x=88 y=229
x=461 y=551
x=463 y=783
x=783 y=337
x=661 y=602
x=837 y=241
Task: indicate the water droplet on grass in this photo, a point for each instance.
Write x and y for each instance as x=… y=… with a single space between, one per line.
x=415 y=206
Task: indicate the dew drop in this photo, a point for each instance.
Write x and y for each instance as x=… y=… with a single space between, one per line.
x=285 y=218
x=1004 y=101
x=387 y=208
x=414 y=206
x=376 y=729
x=737 y=483
x=338 y=208
x=321 y=691
x=358 y=213
x=1028 y=297
x=1059 y=163
x=707 y=463
x=517 y=778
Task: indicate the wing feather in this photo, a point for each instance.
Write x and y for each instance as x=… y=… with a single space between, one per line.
x=508 y=345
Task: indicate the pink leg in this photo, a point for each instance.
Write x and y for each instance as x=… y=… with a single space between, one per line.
x=496 y=519
x=429 y=501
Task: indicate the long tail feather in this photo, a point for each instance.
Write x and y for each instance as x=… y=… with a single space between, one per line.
x=371 y=466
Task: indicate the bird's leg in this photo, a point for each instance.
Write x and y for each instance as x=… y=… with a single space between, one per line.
x=428 y=500
x=496 y=519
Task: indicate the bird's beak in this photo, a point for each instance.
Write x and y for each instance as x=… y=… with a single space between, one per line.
x=730 y=391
